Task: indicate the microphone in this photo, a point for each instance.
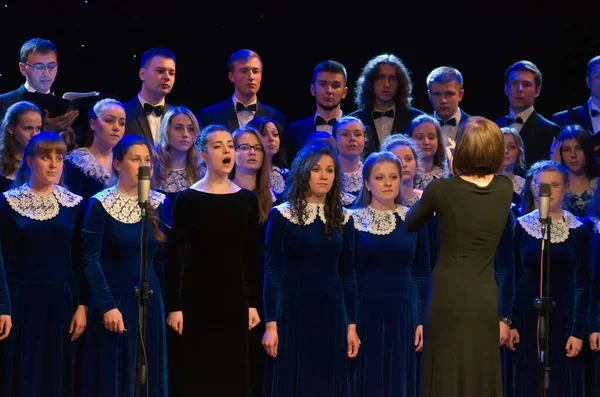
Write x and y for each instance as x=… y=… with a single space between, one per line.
x=544 y=194
x=143 y=185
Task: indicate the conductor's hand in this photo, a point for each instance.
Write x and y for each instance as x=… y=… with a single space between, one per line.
x=270 y=340
x=573 y=347
x=353 y=341
x=5 y=326
x=59 y=123
x=419 y=339
x=450 y=152
x=513 y=340
x=555 y=151
x=78 y=322
x=594 y=341
x=113 y=321
x=504 y=333
x=253 y=318
x=175 y=321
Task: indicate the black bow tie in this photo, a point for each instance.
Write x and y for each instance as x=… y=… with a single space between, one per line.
x=321 y=121
x=510 y=121
x=594 y=112
x=158 y=109
x=240 y=107
x=388 y=113
x=451 y=122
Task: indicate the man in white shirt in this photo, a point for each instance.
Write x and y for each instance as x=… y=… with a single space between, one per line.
x=144 y=113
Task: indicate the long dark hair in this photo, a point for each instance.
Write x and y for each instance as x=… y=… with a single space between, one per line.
x=297 y=185
x=119 y=151
x=259 y=123
x=581 y=136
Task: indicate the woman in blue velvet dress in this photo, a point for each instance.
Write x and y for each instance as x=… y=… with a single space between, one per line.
x=178 y=160
x=426 y=132
x=350 y=138
x=21 y=121
x=39 y=237
x=310 y=281
x=393 y=273
x=88 y=170
x=111 y=259
x=570 y=277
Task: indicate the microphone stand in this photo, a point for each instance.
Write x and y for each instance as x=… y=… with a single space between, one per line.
x=544 y=305
x=142 y=293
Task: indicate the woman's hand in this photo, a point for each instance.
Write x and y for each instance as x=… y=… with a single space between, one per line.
x=513 y=340
x=5 y=326
x=175 y=321
x=78 y=322
x=450 y=153
x=594 y=341
x=573 y=347
x=253 y=318
x=270 y=340
x=504 y=333
x=353 y=341
x=555 y=151
x=419 y=339
x=113 y=321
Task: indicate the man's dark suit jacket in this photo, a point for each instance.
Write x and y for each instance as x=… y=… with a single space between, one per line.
x=402 y=119
x=563 y=119
x=137 y=121
x=537 y=134
x=297 y=135
x=224 y=114
x=10 y=98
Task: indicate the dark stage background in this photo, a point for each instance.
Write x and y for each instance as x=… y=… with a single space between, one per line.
x=100 y=43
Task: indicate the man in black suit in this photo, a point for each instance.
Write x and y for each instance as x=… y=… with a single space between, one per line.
x=39 y=65
x=445 y=91
x=329 y=89
x=588 y=114
x=522 y=86
x=383 y=97
x=245 y=72
x=144 y=112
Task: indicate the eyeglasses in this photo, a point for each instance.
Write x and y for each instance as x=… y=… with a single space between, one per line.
x=40 y=67
x=553 y=185
x=245 y=148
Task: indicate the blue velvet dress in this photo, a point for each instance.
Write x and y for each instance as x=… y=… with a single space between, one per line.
x=594 y=313
x=174 y=183
x=570 y=274
x=6 y=183
x=111 y=234
x=84 y=175
x=39 y=238
x=393 y=273
x=310 y=291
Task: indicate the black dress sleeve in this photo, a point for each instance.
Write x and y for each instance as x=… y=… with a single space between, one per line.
x=176 y=254
x=504 y=269
x=424 y=208
x=250 y=252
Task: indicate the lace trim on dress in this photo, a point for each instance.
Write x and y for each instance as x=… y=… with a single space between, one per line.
x=596 y=221
x=347 y=198
x=377 y=221
x=126 y=208
x=352 y=181
x=559 y=231
x=411 y=201
x=422 y=179
x=175 y=182
x=311 y=211
x=40 y=208
x=89 y=165
x=278 y=179
x=518 y=184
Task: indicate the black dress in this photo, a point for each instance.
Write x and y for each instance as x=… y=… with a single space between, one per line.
x=462 y=355
x=211 y=268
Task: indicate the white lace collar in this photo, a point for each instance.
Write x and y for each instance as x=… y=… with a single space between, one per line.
x=125 y=208
x=311 y=211
x=174 y=182
x=518 y=184
x=596 y=221
x=352 y=181
x=27 y=203
x=559 y=231
x=89 y=165
x=377 y=222
x=277 y=180
x=347 y=198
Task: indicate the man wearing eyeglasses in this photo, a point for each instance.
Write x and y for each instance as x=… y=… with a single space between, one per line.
x=39 y=64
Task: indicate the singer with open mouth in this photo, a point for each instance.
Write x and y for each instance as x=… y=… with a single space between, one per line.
x=112 y=262
x=570 y=279
x=469 y=311
x=211 y=274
